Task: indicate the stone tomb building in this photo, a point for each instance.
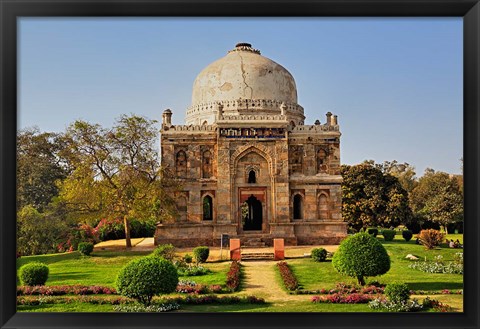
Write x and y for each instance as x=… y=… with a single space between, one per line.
x=248 y=165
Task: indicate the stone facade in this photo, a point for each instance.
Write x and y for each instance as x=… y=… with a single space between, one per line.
x=247 y=164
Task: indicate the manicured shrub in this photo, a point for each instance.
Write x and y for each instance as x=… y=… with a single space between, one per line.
x=33 y=274
x=319 y=254
x=388 y=235
x=146 y=277
x=361 y=255
x=85 y=248
x=430 y=238
x=201 y=254
x=166 y=251
x=187 y=258
x=407 y=235
x=373 y=231
x=397 y=292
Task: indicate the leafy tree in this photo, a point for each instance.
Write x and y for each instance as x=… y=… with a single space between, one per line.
x=438 y=197
x=116 y=172
x=39 y=167
x=373 y=198
x=39 y=233
x=403 y=171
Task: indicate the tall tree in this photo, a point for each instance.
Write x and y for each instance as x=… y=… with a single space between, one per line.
x=116 y=172
x=438 y=197
x=39 y=168
x=403 y=171
x=373 y=198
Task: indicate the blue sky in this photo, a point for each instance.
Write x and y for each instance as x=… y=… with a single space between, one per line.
x=395 y=83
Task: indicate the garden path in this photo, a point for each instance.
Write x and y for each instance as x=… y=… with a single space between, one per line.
x=260 y=281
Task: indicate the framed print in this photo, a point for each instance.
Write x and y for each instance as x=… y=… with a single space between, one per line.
x=239 y=164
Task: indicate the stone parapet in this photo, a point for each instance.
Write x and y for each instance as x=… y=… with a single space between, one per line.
x=309 y=129
x=243 y=105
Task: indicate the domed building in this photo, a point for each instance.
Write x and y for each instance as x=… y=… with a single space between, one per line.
x=248 y=165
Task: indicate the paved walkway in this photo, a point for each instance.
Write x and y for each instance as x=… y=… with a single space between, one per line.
x=260 y=280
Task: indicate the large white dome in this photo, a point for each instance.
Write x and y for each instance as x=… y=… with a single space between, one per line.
x=244 y=74
x=243 y=82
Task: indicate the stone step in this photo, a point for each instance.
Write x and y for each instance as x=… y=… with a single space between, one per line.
x=255 y=244
x=258 y=256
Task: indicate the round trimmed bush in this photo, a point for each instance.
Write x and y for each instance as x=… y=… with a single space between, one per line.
x=397 y=292
x=187 y=258
x=407 y=235
x=33 y=274
x=372 y=231
x=361 y=255
x=388 y=235
x=319 y=254
x=146 y=277
x=85 y=248
x=166 y=251
x=201 y=254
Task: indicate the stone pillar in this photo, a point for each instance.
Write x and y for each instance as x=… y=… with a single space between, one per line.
x=335 y=120
x=279 y=249
x=235 y=251
x=329 y=118
x=310 y=204
x=167 y=118
x=283 y=108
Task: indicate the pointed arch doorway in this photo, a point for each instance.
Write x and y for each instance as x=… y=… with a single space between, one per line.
x=252 y=213
x=252 y=210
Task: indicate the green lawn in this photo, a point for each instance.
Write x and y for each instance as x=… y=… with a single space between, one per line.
x=312 y=275
x=103 y=266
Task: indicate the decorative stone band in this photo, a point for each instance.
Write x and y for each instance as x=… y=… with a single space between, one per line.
x=314 y=128
x=245 y=105
x=192 y=128
x=266 y=118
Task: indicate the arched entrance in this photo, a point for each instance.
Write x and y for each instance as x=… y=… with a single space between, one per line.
x=252 y=214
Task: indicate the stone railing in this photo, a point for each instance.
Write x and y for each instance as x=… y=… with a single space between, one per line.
x=253 y=117
x=192 y=128
x=314 y=128
x=245 y=104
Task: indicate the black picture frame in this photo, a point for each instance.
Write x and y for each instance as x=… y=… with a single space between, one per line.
x=10 y=10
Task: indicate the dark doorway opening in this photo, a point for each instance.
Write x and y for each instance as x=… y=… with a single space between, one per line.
x=251 y=177
x=207 y=208
x=252 y=214
x=297 y=207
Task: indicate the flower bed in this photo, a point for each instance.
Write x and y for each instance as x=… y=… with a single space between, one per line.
x=64 y=290
x=439 y=266
x=343 y=299
x=154 y=308
x=234 y=276
x=343 y=288
x=42 y=299
x=191 y=287
x=289 y=280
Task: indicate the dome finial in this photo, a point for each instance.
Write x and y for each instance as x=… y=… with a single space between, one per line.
x=244 y=46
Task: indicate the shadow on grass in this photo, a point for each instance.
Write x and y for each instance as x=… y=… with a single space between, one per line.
x=111 y=254
x=67 y=276
x=434 y=285
x=222 y=307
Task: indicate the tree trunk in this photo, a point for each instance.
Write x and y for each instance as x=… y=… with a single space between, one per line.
x=361 y=280
x=128 y=241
